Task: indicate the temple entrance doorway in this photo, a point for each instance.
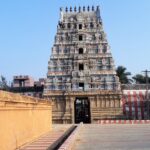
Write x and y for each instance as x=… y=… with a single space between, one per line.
x=82 y=110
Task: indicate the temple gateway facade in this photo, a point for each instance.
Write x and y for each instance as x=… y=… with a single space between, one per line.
x=81 y=79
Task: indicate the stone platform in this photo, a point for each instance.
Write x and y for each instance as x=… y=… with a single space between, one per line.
x=113 y=137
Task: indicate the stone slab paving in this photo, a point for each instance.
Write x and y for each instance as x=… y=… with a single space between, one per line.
x=113 y=137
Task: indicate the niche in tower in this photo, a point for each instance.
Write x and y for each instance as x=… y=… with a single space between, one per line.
x=81 y=86
x=81 y=67
x=80 y=26
x=80 y=37
x=80 y=50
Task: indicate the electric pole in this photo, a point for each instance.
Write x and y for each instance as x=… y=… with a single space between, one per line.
x=147 y=95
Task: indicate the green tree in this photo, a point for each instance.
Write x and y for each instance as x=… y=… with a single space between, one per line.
x=3 y=83
x=140 y=79
x=123 y=75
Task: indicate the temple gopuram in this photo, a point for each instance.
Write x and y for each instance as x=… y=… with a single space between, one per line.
x=81 y=79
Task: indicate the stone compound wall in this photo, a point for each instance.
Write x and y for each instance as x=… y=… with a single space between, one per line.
x=22 y=119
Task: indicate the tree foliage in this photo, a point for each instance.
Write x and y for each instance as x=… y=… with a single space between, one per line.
x=140 y=79
x=3 y=82
x=123 y=75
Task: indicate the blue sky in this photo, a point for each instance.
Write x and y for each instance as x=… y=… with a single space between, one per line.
x=27 y=30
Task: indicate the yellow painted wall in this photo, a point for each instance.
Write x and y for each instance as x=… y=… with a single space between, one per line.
x=22 y=119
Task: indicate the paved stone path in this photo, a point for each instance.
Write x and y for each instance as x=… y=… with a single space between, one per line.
x=114 y=137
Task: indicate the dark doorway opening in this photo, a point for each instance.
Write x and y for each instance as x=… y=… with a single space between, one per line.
x=80 y=50
x=81 y=67
x=82 y=110
x=80 y=26
x=69 y=25
x=80 y=38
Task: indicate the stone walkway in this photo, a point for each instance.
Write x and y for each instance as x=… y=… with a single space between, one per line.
x=113 y=137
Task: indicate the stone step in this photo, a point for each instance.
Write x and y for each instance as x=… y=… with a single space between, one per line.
x=44 y=142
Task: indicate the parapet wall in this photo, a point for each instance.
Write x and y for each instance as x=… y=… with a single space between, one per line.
x=22 y=119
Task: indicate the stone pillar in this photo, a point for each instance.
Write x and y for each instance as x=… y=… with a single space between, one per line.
x=119 y=101
x=72 y=109
x=67 y=115
x=67 y=103
x=107 y=102
x=112 y=102
x=116 y=102
x=103 y=102
x=98 y=101
x=91 y=106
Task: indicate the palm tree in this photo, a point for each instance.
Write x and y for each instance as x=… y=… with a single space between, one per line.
x=123 y=75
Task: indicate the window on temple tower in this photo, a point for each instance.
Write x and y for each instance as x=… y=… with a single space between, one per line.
x=80 y=37
x=81 y=86
x=80 y=50
x=60 y=87
x=75 y=26
x=109 y=67
x=80 y=26
x=91 y=25
x=96 y=50
x=65 y=50
x=81 y=67
x=100 y=67
x=69 y=25
x=104 y=48
x=94 y=37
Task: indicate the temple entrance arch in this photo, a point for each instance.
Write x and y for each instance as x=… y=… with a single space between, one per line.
x=82 y=110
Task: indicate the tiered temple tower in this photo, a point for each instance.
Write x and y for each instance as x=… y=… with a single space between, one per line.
x=81 y=78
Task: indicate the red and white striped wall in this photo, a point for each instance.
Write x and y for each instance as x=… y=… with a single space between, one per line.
x=123 y=122
x=134 y=104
